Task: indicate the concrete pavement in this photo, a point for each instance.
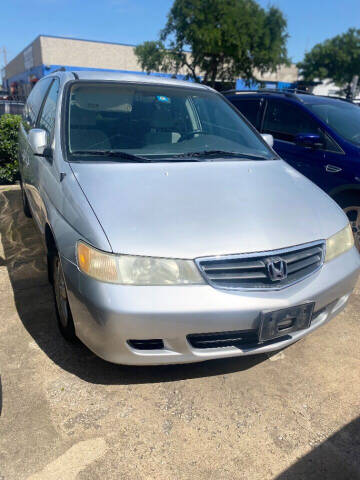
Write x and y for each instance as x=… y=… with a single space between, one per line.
x=68 y=415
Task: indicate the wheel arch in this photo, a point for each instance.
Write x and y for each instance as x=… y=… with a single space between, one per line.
x=51 y=250
x=344 y=191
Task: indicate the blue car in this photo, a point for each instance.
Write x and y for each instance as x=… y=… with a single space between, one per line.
x=319 y=136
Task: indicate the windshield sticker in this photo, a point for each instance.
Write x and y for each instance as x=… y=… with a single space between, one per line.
x=163 y=99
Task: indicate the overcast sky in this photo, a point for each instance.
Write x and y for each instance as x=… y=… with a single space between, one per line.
x=133 y=21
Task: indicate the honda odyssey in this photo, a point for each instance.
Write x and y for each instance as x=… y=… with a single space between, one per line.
x=174 y=233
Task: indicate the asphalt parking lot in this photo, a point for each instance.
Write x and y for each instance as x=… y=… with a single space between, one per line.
x=68 y=415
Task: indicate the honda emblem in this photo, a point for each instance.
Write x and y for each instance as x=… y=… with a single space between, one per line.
x=276 y=269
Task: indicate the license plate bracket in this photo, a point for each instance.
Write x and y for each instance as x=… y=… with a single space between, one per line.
x=278 y=323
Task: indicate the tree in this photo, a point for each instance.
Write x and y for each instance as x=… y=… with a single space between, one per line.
x=336 y=59
x=154 y=57
x=150 y=56
x=226 y=38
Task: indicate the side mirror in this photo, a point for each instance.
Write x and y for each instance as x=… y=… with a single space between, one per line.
x=309 y=140
x=38 y=140
x=269 y=139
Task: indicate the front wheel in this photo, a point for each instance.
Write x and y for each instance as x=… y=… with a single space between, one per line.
x=353 y=213
x=63 y=313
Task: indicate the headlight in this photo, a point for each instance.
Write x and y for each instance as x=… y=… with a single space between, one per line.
x=136 y=270
x=339 y=243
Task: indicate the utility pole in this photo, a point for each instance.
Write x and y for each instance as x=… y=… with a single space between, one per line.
x=2 y=71
x=353 y=86
x=5 y=55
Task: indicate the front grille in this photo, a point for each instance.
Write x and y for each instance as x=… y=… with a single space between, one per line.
x=251 y=271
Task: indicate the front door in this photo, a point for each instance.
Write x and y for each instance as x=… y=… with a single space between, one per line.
x=29 y=121
x=284 y=120
x=41 y=166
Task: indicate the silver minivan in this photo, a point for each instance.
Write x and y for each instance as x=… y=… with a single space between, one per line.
x=174 y=233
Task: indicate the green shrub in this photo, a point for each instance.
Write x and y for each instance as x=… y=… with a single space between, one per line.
x=9 y=128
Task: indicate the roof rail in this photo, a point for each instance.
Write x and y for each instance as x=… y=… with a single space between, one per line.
x=290 y=92
x=60 y=69
x=233 y=90
x=287 y=92
x=349 y=100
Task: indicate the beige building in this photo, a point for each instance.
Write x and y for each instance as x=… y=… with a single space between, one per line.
x=286 y=74
x=48 y=53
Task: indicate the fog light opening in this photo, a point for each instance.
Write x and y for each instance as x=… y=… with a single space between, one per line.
x=152 y=344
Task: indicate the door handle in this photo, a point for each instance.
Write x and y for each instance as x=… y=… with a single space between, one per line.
x=332 y=169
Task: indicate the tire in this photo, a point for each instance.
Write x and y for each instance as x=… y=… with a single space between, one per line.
x=25 y=202
x=350 y=203
x=63 y=312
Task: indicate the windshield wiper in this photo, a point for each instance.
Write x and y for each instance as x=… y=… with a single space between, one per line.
x=225 y=153
x=114 y=154
x=189 y=157
x=135 y=158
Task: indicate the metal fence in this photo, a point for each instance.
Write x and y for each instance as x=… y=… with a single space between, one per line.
x=11 y=106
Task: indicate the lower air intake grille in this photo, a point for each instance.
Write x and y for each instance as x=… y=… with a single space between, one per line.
x=267 y=270
x=239 y=338
x=224 y=339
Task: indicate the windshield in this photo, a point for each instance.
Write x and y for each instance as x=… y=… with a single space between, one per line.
x=156 y=122
x=342 y=117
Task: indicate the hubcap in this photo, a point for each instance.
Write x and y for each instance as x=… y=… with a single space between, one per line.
x=60 y=294
x=353 y=214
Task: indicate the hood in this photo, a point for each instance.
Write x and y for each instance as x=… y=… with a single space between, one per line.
x=189 y=210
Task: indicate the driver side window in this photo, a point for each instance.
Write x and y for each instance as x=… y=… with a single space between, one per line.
x=284 y=121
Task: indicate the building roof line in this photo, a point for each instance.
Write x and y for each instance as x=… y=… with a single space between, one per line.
x=23 y=50
x=68 y=38
x=87 y=40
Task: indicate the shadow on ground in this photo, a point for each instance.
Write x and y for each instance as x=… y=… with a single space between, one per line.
x=24 y=257
x=335 y=459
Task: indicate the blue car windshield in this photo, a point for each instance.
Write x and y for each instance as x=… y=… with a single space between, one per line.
x=156 y=121
x=343 y=117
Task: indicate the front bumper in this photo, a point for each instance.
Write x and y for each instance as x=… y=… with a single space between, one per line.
x=106 y=316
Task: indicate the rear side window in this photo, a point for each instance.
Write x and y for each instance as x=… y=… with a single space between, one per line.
x=34 y=102
x=284 y=121
x=251 y=109
x=47 y=117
